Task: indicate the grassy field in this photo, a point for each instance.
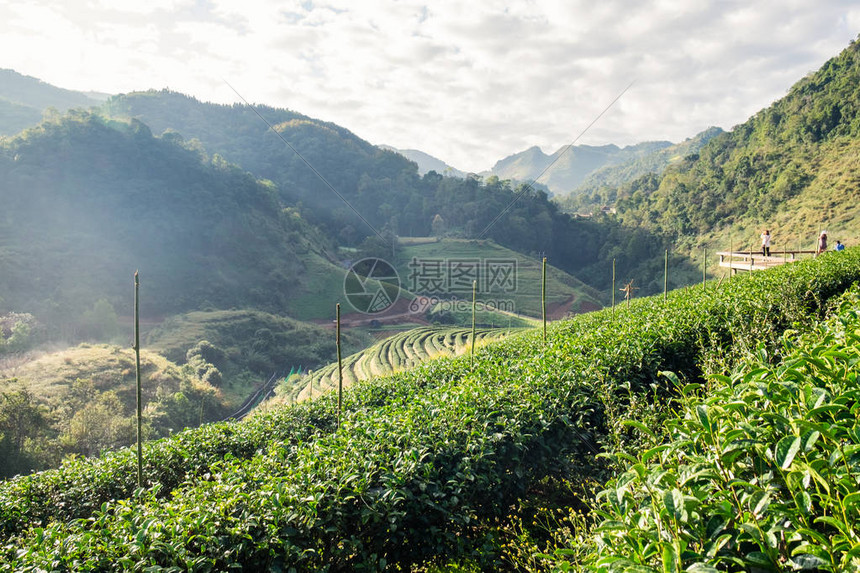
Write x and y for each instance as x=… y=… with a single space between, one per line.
x=52 y=375
x=417 y=259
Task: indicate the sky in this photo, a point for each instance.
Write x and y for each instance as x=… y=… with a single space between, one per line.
x=469 y=82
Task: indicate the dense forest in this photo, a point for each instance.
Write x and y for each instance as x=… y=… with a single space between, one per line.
x=600 y=188
x=386 y=190
x=87 y=199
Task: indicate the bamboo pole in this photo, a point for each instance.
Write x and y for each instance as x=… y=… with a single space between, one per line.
x=666 y=275
x=137 y=379
x=472 y=351
x=613 y=288
x=339 y=368
x=704 y=266
x=543 y=297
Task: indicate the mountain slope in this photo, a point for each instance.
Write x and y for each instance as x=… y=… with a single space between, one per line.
x=600 y=187
x=427 y=163
x=302 y=153
x=792 y=165
x=23 y=100
x=86 y=202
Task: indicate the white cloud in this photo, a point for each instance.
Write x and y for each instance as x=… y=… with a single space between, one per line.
x=467 y=82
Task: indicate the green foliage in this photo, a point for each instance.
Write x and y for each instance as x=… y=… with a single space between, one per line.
x=18 y=332
x=87 y=399
x=421 y=458
x=759 y=472
x=90 y=197
x=246 y=344
x=23 y=422
x=100 y=322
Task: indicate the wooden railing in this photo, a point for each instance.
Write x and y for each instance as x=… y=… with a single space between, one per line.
x=755 y=261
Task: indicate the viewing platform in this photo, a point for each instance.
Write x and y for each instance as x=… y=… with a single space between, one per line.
x=755 y=261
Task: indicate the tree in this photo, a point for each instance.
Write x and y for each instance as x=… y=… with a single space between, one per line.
x=22 y=420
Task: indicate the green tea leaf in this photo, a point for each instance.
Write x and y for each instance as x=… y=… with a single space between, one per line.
x=671 y=558
x=786 y=449
x=673 y=500
x=641 y=427
x=808 y=440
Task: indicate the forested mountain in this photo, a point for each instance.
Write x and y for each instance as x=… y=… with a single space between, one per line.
x=570 y=165
x=793 y=167
x=385 y=188
x=88 y=201
x=311 y=161
x=23 y=100
x=600 y=187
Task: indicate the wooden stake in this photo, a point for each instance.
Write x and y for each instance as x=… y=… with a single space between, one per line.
x=137 y=379
x=339 y=369
x=666 y=275
x=613 y=288
x=543 y=298
x=474 y=295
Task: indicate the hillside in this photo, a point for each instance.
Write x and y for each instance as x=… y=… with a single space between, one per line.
x=600 y=187
x=507 y=280
x=348 y=165
x=570 y=166
x=87 y=202
x=81 y=400
x=24 y=99
x=247 y=344
x=792 y=168
x=393 y=354
x=453 y=464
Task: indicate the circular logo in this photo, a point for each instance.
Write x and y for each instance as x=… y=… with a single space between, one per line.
x=371 y=285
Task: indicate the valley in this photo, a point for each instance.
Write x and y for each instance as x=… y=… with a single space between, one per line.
x=533 y=453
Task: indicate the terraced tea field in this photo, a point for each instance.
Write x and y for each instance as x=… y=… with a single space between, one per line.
x=393 y=354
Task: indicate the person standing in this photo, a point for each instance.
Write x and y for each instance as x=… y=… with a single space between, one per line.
x=822 y=242
x=765 y=243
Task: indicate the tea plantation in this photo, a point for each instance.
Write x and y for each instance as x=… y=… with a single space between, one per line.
x=394 y=353
x=426 y=460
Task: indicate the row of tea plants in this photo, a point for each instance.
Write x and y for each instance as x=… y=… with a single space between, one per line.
x=395 y=353
x=420 y=458
x=760 y=470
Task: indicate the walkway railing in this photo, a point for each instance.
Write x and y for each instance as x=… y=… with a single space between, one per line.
x=755 y=261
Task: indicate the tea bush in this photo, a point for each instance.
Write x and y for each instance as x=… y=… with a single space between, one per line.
x=760 y=473
x=422 y=456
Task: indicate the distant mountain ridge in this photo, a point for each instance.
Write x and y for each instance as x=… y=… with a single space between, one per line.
x=426 y=162
x=568 y=166
x=600 y=187
x=23 y=100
